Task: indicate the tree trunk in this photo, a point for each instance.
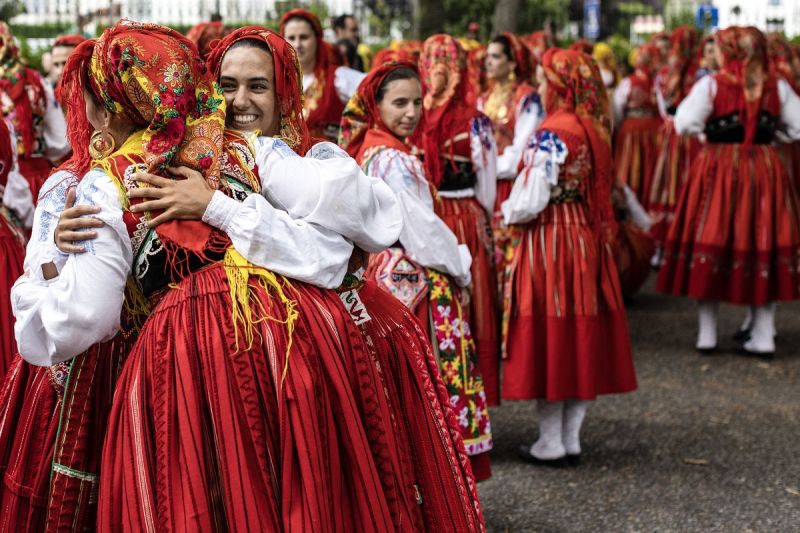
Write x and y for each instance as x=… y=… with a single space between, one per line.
x=506 y=15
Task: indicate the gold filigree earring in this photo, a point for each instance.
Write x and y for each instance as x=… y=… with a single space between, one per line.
x=101 y=145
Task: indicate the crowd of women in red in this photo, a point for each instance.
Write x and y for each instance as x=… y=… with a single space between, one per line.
x=248 y=287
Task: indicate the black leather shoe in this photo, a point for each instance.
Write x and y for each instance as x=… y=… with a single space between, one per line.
x=742 y=335
x=524 y=453
x=767 y=356
x=707 y=351
x=573 y=459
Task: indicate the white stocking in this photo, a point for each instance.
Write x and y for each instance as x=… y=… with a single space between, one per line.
x=707 y=324
x=762 y=335
x=549 y=446
x=574 y=411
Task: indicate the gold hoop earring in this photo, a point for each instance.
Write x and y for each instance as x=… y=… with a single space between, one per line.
x=100 y=147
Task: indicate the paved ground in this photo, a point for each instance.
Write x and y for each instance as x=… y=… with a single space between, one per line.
x=706 y=444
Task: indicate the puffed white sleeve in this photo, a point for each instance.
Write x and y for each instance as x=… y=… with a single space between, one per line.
x=41 y=248
x=328 y=188
x=17 y=195
x=268 y=237
x=530 y=194
x=484 y=161
x=790 y=110
x=529 y=114
x=425 y=237
x=55 y=127
x=620 y=100
x=694 y=110
x=346 y=81
x=59 y=319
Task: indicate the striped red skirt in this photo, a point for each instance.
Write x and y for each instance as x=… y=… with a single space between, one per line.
x=736 y=234
x=633 y=249
x=676 y=154
x=428 y=435
x=12 y=253
x=30 y=403
x=208 y=432
x=469 y=221
x=567 y=334
x=636 y=153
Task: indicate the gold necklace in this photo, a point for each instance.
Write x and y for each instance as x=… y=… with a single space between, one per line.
x=496 y=107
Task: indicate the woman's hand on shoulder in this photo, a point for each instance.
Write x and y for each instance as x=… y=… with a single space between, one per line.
x=74 y=225
x=179 y=199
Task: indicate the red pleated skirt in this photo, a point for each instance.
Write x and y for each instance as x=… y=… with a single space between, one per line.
x=205 y=435
x=790 y=155
x=29 y=407
x=568 y=334
x=736 y=234
x=469 y=221
x=633 y=249
x=427 y=431
x=636 y=153
x=12 y=253
x=501 y=234
x=676 y=154
x=35 y=170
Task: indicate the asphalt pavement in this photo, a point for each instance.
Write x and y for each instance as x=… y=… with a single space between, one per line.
x=707 y=443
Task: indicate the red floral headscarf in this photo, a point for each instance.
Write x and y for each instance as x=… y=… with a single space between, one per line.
x=582 y=45
x=362 y=116
x=441 y=52
x=327 y=54
x=575 y=89
x=389 y=55
x=646 y=61
x=155 y=77
x=205 y=33
x=288 y=85
x=678 y=74
x=20 y=83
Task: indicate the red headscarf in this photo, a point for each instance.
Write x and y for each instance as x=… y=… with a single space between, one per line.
x=328 y=59
x=522 y=56
x=23 y=86
x=389 y=55
x=678 y=74
x=646 y=61
x=577 y=108
x=205 y=33
x=745 y=64
x=362 y=118
x=539 y=42
x=443 y=52
x=71 y=40
x=288 y=85
x=582 y=45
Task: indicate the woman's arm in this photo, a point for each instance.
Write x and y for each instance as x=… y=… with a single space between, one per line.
x=484 y=161
x=60 y=318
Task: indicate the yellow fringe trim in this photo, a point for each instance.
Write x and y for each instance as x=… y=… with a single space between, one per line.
x=239 y=271
x=131 y=146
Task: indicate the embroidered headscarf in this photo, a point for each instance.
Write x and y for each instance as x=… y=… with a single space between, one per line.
x=23 y=86
x=582 y=45
x=288 y=82
x=205 y=33
x=575 y=89
x=389 y=55
x=646 y=61
x=678 y=74
x=745 y=63
x=362 y=117
x=441 y=54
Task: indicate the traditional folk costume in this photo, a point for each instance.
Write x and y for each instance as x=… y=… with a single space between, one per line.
x=539 y=42
x=28 y=102
x=435 y=463
x=212 y=280
x=460 y=159
x=736 y=234
x=568 y=336
x=12 y=249
x=676 y=152
x=425 y=270
x=204 y=34
x=329 y=87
